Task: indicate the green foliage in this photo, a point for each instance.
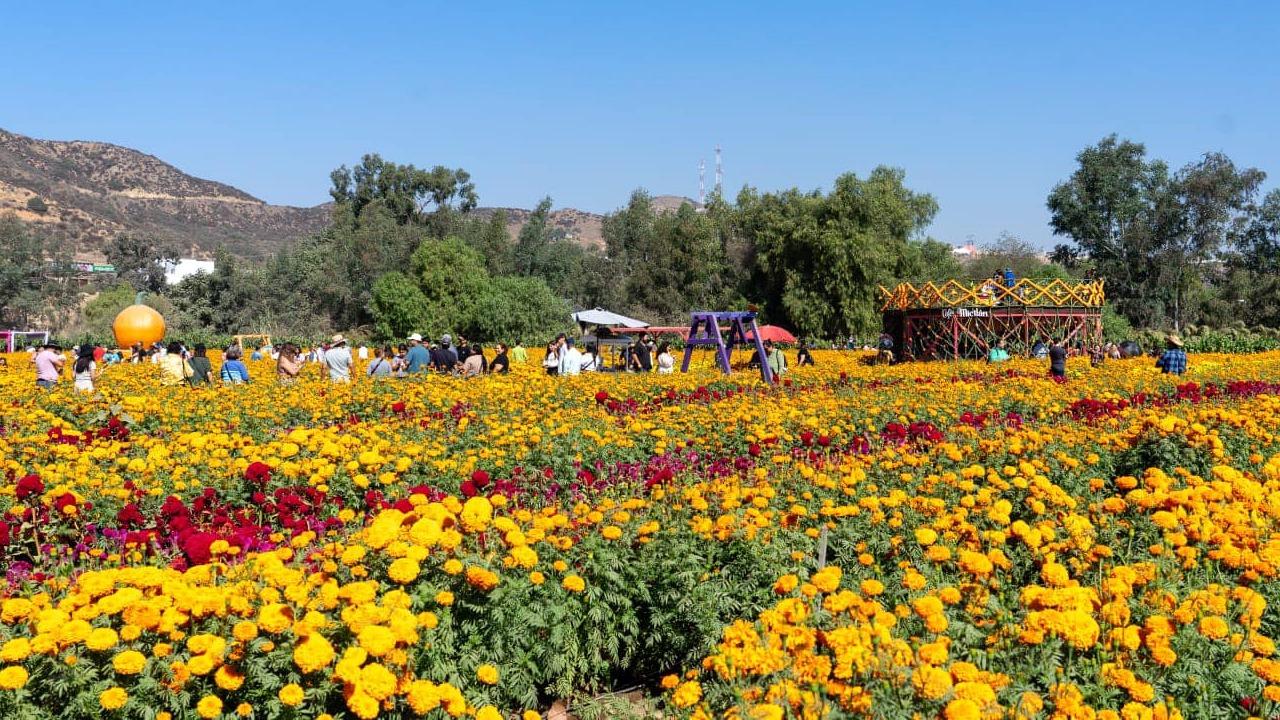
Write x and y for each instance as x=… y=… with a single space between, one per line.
x=1115 y=327
x=510 y=308
x=141 y=261
x=818 y=259
x=35 y=287
x=399 y=307
x=410 y=195
x=37 y=205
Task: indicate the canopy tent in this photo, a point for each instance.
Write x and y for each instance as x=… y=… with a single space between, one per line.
x=599 y=316
x=774 y=333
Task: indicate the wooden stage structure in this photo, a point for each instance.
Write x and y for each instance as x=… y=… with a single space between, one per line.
x=955 y=321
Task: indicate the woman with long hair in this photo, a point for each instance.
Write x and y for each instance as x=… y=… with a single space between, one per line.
x=86 y=369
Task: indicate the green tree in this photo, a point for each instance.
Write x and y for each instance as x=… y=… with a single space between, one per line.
x=492 y=239
x=452 y=276
x=399 y=307
x=1216 y=202
x=410 y=195
x=141 y=261
x=818 y=258
x=36 y=286
x=1119 y=209
x=514 y=308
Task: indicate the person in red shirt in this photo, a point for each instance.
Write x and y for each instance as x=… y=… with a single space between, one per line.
x=98 y=352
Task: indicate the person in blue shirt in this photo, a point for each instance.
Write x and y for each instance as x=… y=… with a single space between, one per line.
x=1173 y=361
x=418 y=359
x=233 y=369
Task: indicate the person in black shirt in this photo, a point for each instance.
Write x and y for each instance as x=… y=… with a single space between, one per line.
x=643 y=357
x=1057 y=359
x=802 y=355
x=500 y=362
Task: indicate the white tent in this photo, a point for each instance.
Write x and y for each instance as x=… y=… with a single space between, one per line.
x=598 y=316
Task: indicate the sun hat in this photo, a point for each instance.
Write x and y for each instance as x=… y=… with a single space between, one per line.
x=338 y=339
x=415 y=337
x=446 y=338
x=1175 y=340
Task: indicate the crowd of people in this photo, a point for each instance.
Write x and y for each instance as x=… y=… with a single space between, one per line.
x=179 y=364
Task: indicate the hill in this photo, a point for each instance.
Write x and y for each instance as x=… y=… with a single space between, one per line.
x=91 y=191
x=87 y=192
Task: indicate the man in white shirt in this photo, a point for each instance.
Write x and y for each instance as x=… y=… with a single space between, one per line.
x=570 y=359
x=363 y=352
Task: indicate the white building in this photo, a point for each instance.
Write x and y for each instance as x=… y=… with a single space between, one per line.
x=186 y=267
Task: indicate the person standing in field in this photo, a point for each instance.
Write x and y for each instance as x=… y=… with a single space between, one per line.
x=49 y=362
x=338 y=360
x=519 y=355
x=288 y=364
x=86 y=369
x=1173 y=361
x=173 y=369
x=1057 y=359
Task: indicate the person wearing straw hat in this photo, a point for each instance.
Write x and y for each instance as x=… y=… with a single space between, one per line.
x=338 y=359
x=1173 y=361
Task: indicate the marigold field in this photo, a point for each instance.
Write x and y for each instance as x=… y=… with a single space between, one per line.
x=929 y=540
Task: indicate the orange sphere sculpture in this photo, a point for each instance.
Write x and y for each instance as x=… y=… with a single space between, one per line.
x=138 y=324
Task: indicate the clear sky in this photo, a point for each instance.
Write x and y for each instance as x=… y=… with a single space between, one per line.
x=985 y=105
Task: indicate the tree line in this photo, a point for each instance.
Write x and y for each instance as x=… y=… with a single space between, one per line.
x=406 y=251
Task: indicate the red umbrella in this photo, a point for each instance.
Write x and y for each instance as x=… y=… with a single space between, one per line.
x=774 y=333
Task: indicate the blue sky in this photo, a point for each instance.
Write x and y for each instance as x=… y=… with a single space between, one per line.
x=984 y=105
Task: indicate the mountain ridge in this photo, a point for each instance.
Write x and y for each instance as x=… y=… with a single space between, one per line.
x=84 y=192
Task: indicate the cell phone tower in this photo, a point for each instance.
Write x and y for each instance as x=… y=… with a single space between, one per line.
x=702 y=182
x=719 y=170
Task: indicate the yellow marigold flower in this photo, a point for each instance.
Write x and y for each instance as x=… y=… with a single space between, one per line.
x=481 y=579
x=1213 y=627
x=129 y=662
x=611 y=532
x=228 y=678
x=244 y=631
x=13 y=677
x=102 y=639
x=313 y=653
x=927 y=606
x=452 y=566
x=376 y=640
x=362 y=705
x=113 y=698
x=926 y=536
x=377 y=681
x=871 y=587
x=670 y=681
x=537 y=578
x=404 y=571
x=530 y=715
x=786 y=584
x=209 y=707
x=423 y=697
x=949 y=595
x=931 y=683
x=15 y=650
x=476 y=514
x=291 y=695
x=687 y=694
x=244 y=709
x=962 y=709
x=573 y=583
x=827 y=579
x=444 y=597
x=487 y=674
x=559 y=566
x=275 y=618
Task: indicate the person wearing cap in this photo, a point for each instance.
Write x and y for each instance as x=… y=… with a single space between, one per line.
x=338 y=359
x=49 y=362
x=446 y=344
x=418 y=359
x=1173 y=361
